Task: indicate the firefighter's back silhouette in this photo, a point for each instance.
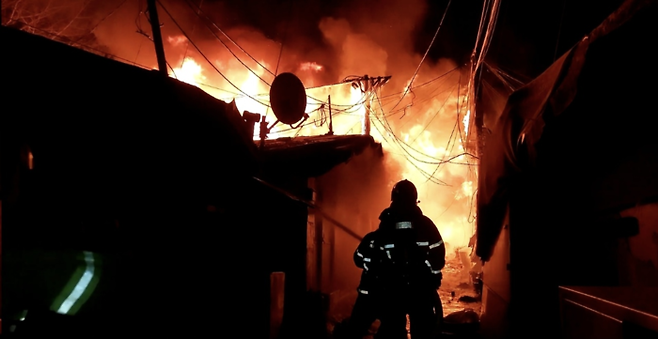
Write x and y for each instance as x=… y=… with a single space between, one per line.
x=401 y=262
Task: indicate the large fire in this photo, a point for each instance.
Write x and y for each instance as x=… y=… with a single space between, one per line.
x=432 y=156
x=422 y=116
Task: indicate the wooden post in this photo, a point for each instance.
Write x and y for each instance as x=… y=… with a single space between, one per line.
x=157 y=37
x=331 y=121
x=313 y=243
x=366 y=117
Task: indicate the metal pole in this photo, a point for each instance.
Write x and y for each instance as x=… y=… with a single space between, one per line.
x=157 y=37
x=331 y=123
x=263 y=132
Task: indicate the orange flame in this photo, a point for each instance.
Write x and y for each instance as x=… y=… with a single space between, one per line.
x=190 y=72
x=419 y=148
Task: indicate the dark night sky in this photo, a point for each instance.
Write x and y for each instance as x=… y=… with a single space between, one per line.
x=531 y=34
x=524 y=42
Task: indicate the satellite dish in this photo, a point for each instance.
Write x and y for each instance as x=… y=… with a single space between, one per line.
x=288 y=98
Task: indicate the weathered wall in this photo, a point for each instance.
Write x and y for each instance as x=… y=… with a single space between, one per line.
x=354 y=194
x=282 y=221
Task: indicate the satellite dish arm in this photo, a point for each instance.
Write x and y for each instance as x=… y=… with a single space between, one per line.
x=272 y=126
x=300 y=122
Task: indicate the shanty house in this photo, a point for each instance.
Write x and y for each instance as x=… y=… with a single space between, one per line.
x=568 y=190
x=321 y=195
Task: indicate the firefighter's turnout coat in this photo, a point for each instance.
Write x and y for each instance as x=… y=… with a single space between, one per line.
x=405 y=252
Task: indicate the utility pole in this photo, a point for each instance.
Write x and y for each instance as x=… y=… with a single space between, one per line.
x=366 y=118
x=368 y=85
x=157 y=37
x=331 y=121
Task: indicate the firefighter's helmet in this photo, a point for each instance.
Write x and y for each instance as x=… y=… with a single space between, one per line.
x=404 y=192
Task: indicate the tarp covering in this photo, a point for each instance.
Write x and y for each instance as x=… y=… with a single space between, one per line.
x=510 y=150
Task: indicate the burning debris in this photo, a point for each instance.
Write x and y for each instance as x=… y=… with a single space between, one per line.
x=463 y=322
x=462 y=283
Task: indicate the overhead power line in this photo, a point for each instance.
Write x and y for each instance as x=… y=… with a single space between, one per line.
x=424 y=56
x=206 y=58
x=103 y=19
x=224 y=44
x=230 y=39
x=197 y=10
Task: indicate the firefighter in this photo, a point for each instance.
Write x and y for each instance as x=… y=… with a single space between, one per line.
x=364 y=311
x=402 y=262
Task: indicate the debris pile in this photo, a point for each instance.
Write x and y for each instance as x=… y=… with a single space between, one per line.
x=462 y=283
